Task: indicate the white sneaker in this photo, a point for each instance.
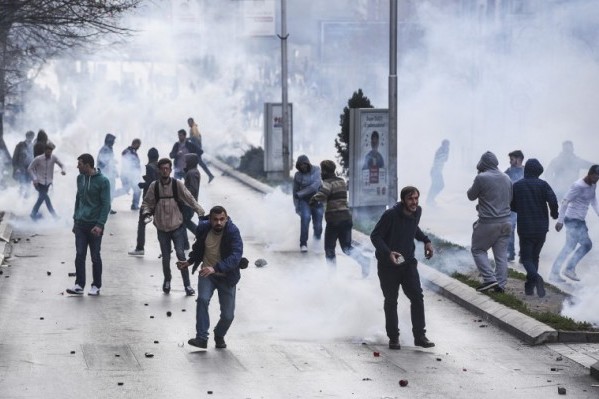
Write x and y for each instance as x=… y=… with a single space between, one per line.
x=303 y=248
x=76 y=290
x=136 y=252
x=571 y=274
x=94 y=291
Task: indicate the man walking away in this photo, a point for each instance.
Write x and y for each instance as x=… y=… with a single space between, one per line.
x=306 y=183
x=107 y=164
x=572 y=213
x=41 y=171
x=21 y=159
x=393 y=238
x=130 y=172
x=437 y=182
x=92 y=205
x=150 y=176
x=218 y=248
x=515 y=173
x=338 y=217
x=531 y=196
x=493 y=190
x=163 y=200
x=196 y=138
x=181 y=148
x=565 y=169
x=192 y=182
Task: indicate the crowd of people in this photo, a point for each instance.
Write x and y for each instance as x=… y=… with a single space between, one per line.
x=510 y=201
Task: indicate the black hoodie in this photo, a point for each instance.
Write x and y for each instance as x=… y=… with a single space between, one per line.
x=531 y=196
x=396 y=231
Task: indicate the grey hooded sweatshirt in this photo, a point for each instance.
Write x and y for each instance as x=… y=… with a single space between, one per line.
x=493 y=190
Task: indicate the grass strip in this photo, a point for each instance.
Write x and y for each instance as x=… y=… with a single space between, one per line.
x=551 y=319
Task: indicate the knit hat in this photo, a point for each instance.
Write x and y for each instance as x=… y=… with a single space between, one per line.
x=328 y=166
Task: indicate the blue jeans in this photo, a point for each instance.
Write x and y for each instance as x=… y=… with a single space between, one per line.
x=226 y=298
x=511 y=248
x=177 y=236
x=84 y=239
x=307 y=212
x=530 y=250
x=342 y=231
x=42 y=190
x=576 y=233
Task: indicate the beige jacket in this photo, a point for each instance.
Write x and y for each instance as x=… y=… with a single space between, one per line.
x=167 y=216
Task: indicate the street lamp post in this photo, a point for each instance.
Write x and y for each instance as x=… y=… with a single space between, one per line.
x=393 y=103
x=284 y=101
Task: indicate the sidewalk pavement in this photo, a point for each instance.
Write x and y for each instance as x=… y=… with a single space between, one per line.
x=522 y=326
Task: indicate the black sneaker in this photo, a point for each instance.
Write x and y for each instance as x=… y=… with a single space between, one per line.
x=540 y=287
x=394 y=344
x=499 y=290
x=189 y=291
x=220 y=342
x=529 y=289
x=198 y=343
x=486 y=286
x=166 y=286
x=423 y=342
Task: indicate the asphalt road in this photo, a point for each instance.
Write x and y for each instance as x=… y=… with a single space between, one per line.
x=301 y=331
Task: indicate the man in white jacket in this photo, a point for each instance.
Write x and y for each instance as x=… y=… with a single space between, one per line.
x=41 y=170
x=572 y=213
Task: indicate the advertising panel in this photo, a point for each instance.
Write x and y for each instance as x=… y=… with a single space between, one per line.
x=273 y=136
x=369 y=157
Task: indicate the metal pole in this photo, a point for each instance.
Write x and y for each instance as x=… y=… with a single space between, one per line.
x=392 y=103
x=285 y=113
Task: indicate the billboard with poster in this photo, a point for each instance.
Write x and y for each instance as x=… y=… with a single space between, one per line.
x=273 y=137
x=369 y=157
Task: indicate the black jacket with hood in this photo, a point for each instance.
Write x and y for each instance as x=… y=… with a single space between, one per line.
x=531 y=196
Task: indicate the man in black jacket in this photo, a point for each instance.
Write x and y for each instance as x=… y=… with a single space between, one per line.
x=393 y=238
x=182 y=147
x=149 y=177
x=531 y=196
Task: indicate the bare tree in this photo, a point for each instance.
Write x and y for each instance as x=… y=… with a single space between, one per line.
x=34 y=31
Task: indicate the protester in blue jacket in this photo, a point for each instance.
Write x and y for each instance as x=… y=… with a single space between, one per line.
x=218 y=248
x=306 y=183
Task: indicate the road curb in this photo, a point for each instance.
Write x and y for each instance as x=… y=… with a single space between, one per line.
x=527 y=329
x=242 y=177
x=595 y=370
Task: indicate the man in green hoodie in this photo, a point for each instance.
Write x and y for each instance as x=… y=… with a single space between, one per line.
x=92 y=205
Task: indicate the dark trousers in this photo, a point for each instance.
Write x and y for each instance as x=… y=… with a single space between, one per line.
x=177 y=237
x=141 y=233
x=84 y=239
x=188 y=223
x=204 y=167
x=342 y=231
x=530 y=250
x=406 y=276
x=43 y=196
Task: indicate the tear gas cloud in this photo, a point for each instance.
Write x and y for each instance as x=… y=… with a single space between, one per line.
x=517 y=78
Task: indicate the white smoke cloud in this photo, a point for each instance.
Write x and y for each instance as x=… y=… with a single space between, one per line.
x=521 y=80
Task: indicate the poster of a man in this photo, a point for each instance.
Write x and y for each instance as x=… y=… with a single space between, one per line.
x=374 y=159
x=369 y=157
